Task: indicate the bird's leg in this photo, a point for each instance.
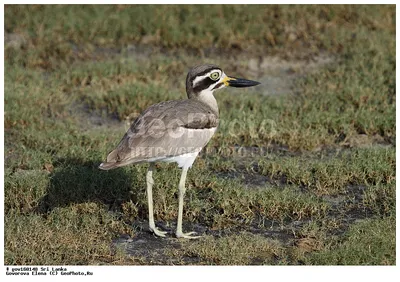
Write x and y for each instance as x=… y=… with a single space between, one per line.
x=150 y=182
x=182 y=189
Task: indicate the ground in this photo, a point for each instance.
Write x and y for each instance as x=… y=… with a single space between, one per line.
x=300 y=171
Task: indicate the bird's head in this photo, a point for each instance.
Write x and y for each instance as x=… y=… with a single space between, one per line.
x=204 y=79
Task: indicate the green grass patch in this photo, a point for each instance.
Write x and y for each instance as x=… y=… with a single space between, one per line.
x=58 y=34
x=370 y=242
x=381 y=199
x=79 y=234
x=239 y=249
x=333 y=174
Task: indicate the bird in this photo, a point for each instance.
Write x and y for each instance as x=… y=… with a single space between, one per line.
x=175 y=131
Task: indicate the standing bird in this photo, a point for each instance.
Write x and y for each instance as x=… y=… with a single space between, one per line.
x=175 y=131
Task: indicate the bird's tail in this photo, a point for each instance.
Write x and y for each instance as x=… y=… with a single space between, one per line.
x=108 y=166
x=113 y=161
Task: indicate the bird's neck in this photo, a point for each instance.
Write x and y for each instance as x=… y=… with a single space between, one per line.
x=208 y=98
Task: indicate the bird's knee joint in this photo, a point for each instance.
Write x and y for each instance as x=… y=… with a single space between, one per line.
x=150 y=180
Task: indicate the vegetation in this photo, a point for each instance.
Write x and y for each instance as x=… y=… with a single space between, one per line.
x=303 y=177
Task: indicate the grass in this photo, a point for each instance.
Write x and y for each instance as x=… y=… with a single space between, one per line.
x=370 y=242
x=235 y=250
x=321 y=192
x=62 y=231
x=332 y=175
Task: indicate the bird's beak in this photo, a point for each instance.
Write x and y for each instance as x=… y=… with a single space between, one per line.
x=239 y=82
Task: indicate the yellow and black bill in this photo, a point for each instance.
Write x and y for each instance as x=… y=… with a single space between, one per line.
x=241 y=82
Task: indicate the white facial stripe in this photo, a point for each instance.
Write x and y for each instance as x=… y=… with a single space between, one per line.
x=200 y=78
x=212 y=86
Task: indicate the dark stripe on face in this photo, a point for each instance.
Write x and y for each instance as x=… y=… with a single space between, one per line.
x=218 y=85
x=203 y=84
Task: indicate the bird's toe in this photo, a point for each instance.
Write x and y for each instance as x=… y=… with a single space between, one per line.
x=187 y=235
x=158 y=232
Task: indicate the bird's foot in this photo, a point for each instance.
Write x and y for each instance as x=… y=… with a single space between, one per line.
x=186 y=235
x=158 y=232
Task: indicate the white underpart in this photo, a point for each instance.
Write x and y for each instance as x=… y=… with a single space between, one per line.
x=186 y=161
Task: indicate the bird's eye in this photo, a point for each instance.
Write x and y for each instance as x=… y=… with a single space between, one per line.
x=214 y=75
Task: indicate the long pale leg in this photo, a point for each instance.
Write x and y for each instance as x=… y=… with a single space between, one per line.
x=182 y=190
x=150 y=182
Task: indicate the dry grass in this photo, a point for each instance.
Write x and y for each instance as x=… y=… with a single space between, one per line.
x=239 y=249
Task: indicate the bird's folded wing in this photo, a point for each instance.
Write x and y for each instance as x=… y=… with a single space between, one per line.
x=165 y=130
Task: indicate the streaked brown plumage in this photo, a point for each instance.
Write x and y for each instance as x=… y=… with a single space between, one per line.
x=153 y=127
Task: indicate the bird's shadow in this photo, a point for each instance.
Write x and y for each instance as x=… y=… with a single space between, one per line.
x=76 y=181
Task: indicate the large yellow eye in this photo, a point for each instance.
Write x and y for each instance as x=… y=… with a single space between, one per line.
x=214 y=75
